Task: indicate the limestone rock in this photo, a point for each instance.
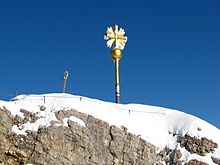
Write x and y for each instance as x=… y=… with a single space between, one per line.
x=96 y=143
x=199 y=146
x=216 y=160
x=195 y=162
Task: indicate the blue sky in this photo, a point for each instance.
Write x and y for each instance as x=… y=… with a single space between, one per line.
x=171 y=59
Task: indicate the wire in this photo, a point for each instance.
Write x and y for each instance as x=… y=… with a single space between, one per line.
x=43 y=98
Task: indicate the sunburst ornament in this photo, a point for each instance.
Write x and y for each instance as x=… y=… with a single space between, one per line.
x=115 y=37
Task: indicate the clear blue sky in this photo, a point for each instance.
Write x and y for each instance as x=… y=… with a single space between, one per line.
x=172 y=57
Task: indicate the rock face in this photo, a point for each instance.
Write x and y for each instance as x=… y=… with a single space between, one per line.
x=199 y=146
x=96 y=143
x=196 y=162
x=75 y=138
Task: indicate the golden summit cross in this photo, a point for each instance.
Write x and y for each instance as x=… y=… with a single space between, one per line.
x=116 y=37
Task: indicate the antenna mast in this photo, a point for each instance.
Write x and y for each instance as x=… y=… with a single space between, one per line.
x=65 y=76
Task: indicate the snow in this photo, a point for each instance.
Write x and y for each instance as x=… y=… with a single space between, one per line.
x=156 y=125
x=75 y=119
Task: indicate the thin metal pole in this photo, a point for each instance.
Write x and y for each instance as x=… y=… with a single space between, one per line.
x=16 y=92
x=117 y=83
x=64 y=86
x=64 y=81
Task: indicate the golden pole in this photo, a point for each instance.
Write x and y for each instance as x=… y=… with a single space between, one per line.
x=117 y=83
x=116 y=56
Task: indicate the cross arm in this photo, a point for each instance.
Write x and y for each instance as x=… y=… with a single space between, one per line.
x=113 y=37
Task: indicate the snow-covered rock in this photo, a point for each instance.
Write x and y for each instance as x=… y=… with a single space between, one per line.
x=162 y=127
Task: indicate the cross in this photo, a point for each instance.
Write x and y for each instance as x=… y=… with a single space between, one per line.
x=116 y=37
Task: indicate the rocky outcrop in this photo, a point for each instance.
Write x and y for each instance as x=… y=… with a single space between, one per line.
x=171 y=156
x=196 y=162
x=193 y=145
x=199 y=146
x=96 y=143
x=89 y=142
x=216 y=160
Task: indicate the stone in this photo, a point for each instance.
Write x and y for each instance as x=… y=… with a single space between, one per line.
x=201 y=146
x=216 y=160
x=196 y=162
x=96 y=143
